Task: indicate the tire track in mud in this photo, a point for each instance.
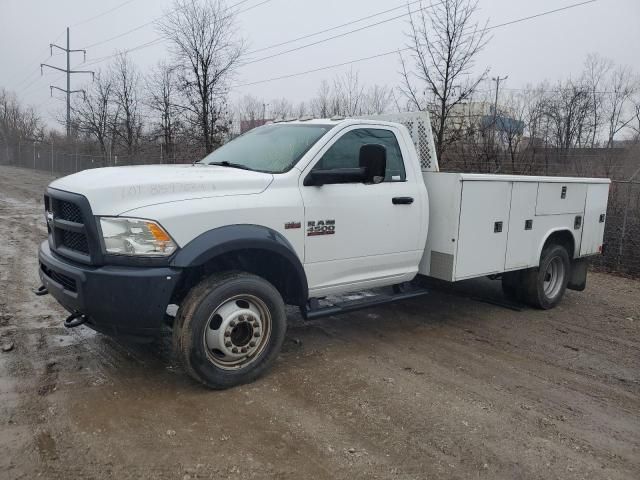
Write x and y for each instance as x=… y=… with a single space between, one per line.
x=35 y=323
x=42 y=345
x=19 y=228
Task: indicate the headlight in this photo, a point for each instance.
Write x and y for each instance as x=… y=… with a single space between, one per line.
x=135 y=236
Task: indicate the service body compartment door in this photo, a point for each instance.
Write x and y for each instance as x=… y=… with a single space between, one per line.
x=521 y=244
x=484 y=222
x=560 y=198
x=594 y=218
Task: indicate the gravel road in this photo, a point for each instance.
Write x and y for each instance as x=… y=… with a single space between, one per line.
x=444 y=386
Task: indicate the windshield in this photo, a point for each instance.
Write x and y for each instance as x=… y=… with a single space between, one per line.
x=271 y=148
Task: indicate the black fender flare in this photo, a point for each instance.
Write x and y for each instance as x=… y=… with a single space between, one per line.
x=230 y=238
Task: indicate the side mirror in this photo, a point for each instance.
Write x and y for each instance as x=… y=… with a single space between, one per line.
x=373 y=158
x=372 y=168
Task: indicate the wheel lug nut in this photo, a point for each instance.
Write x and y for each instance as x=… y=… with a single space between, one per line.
x=252 y=344
x=244 y=349
x=228 y=344
x=256 y=334
x=232 y=323
x=234 y=350
x=227 y=333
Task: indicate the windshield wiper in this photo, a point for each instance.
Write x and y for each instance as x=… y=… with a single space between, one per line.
x=230 y=165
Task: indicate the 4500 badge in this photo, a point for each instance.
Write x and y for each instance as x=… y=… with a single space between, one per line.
x=321 y=227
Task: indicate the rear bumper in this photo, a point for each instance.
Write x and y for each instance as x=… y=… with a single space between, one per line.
x=122 y=301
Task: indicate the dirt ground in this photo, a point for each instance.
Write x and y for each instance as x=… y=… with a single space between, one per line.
x=444 y=386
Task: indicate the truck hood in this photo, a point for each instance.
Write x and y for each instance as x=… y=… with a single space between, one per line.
x=116 y=190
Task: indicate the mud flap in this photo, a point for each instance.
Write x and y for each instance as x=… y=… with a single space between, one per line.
x=578 y=278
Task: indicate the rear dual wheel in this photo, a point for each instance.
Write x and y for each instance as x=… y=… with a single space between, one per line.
x=541 y=287
x=230 y=329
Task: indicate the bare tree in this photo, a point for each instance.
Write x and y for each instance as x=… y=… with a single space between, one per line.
x=569 y=108
x=377 y=100
x=321 y=103
x=281 y=109
x=162 y=93
x=444 y=40
x=251 y=108
x=510 y=129
x=203 y=35
x=623 y=87
x=301 y=110
x=126 y=80
x=596 y=71
x=636 y=117
x=348 y=94
x=95 y=114
x=16 y=121
x=17 y=124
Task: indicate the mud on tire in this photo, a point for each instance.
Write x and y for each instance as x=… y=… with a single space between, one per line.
x=229 y=329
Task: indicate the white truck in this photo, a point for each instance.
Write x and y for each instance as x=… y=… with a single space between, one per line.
x=293 y=212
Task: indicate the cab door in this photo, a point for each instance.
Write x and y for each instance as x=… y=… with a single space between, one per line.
x=361 y=235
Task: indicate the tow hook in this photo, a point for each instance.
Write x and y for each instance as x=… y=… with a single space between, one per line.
x=75 y=320
x=41 y=290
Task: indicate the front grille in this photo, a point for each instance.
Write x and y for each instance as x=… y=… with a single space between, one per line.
x=69 y=211
x=69 y=225
x=75 y=241
x=67 y=282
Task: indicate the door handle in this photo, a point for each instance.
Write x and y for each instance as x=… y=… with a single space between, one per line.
x=402 y=200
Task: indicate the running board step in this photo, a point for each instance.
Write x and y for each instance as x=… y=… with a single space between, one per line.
x=344 y=307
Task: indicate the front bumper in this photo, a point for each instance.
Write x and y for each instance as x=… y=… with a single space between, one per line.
x=122 y=301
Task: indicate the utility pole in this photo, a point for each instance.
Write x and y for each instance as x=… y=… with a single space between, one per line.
x=495 y=103
x=497 y=79
x=68 y=71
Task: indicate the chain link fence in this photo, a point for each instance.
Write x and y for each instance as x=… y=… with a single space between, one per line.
x=622 y=233
x=66 y=159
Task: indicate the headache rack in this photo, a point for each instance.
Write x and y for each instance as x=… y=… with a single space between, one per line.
x=419 y=126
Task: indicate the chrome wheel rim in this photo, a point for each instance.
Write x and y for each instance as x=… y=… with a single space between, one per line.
x=553 y=277
x=237 y=332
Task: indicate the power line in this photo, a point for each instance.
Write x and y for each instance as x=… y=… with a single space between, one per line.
x=140 y=27
x=340 y=35
x=135 y=29
x=380 y=23
x=252 y=6
x=351 y=62
x=35 y=70
x=326 y=30
x=159 y=40
x=107 y=12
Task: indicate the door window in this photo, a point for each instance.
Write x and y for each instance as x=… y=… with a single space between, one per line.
x=345 y=153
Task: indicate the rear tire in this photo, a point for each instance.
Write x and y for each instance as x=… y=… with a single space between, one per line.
x=544 y=287
x=229 y=329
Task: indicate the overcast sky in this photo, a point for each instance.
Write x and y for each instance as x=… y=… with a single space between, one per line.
x=551 y=47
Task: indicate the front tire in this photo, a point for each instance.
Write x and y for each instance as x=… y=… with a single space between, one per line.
x=545 y=286
x=230 y=329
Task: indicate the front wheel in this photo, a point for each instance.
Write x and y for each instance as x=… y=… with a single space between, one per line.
x=544 y=287
x=230 y=329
